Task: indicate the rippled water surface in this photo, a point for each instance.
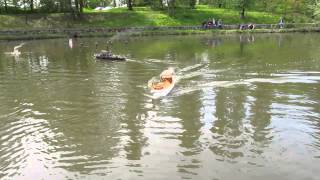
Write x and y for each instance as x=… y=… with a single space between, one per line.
x=245 y=107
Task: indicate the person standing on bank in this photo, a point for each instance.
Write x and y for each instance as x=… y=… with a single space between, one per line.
x=281 y=22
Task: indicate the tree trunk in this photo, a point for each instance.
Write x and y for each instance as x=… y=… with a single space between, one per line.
x=242 y=14
x=25 y=10
x=61 y=6
x=72 y=12
x=114 y=3
x=76 y=2
x=77 y=11
x=161 y=4
x=129 y=5
x=31 y=5
x=171 y=6
x=81 y=3
x=193 y=4
x=70 y=6
x=5 y=6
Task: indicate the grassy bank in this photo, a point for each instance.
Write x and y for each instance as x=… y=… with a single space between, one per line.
x=141 y=16
x=160 y=33
x=25 y=25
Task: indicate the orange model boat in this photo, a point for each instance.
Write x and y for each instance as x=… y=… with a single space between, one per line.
x=165 y=85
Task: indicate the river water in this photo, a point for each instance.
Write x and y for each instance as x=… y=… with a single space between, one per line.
x=245 y=107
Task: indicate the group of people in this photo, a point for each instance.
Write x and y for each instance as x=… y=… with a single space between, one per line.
x=212 y=23
x=252 y=26
x=247 y=26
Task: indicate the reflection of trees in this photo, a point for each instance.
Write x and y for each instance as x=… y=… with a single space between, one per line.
x=86 y=107
x=190 y=116
x=212 y=42
x=244 y=40
x=315 y=96
x=133 y=124
x=83 y=131
x=261 y=115
x=3 y=63
x=189 y=112
x=280 y=40
x=11 y=155
x=89 y=128
x=227 y=129
x=173 y=48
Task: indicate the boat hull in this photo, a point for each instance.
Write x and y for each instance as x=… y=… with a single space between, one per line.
x=109 y=58
x=162 y=92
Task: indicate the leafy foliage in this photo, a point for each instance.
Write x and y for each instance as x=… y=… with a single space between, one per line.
x=288 y=8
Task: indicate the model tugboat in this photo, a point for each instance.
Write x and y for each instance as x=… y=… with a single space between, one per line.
x=109 y=56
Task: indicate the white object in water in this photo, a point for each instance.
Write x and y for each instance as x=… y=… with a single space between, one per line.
x=16 y=51
x=70 y=43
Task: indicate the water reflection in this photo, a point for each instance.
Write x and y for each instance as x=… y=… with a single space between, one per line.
x=133 y=124
x=228 y=128
x=316 y=119
x=250 y=105
x=245 y=40
x=261 y=115
x=213 y=42
x=190 y=145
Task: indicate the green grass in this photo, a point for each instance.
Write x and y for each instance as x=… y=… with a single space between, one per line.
x=181 y=17
x=228 y=16
x=141 y=16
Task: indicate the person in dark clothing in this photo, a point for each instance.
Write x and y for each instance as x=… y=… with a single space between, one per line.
x=251 y=26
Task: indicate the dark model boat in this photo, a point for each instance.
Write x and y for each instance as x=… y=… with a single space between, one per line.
x=107 y=55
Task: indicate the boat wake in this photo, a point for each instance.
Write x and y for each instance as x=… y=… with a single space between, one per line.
x=191 y=68
x=199 y=77
x=282 y=78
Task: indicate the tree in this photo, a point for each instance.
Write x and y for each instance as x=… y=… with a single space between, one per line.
x=315 y=8
x=171 y=5
x=192 y=4
x=216 y=3
x=81 y=5
x=76 y=3
x=129 y=5
x=243 y=5
x=5 y=6
x=31 y=5
x=155 y=4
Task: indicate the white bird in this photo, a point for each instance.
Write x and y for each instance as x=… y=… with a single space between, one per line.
x=16 y=51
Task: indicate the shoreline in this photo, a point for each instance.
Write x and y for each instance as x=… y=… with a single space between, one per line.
x=46 y=33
